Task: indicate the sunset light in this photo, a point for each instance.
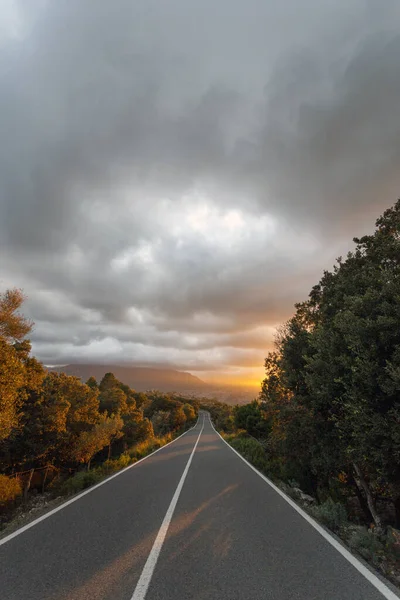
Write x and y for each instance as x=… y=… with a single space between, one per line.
x=200 y=300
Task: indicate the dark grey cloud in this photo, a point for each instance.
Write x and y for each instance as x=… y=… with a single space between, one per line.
x=174 y=176
x=344 y=148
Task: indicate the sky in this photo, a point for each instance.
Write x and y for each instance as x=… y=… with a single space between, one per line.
x=174 y=176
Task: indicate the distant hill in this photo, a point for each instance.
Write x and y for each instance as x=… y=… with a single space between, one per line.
x=231 y=394
x=138 y=378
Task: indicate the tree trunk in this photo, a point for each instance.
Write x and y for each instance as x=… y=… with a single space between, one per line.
x=361 y=499
x=88 y=465
x=370 y=501
x=396 y=503
x=109 y=452
x=44 y=478
x=28 y=484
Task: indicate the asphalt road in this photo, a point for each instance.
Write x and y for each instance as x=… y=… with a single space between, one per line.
x=189 y=522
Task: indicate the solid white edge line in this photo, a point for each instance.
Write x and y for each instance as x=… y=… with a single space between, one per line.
x=369 y=575
x=14 y=534
x=148 y=569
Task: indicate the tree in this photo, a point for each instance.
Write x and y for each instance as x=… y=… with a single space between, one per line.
x=353 y=370
x=161 y=422
x=113 y=401
x=109 y=382
x=60 y=391
x=14 y=352
x=14 y=327
x=53 y=416
x=189 y=411
x=42 y=434
x=249 y=417
x=84 y=401
x=92 y=383
x=141 y=400
x=130 y=396
x=177 y=418
x=89 y=443
x=335 y=373
x=160 y=401
x=12 y=378
x=136 y=428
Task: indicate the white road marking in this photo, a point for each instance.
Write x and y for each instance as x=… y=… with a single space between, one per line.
x=148 y=569
x=373 y=579
x=9 y=537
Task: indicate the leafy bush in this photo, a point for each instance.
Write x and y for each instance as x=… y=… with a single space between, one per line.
x=251 y=450
x=81 y=481
x=365 y=543
x=116 y=464
x=10 y=489
x=393 y=542
x=141 y=449
x=144 y=448
x=330 y=513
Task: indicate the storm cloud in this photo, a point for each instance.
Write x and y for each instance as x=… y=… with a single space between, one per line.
x=175 y=175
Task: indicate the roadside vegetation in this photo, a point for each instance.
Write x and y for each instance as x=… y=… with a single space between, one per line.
x=59 y=435
x=326 y=425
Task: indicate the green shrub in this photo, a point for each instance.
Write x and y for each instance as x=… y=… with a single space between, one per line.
x=229 y=437
x=365 y=543
x=10 y=489
x=142 y=449
x=116 y=464
x=81 y=481
x=251 y=450
x=330 y=513
x=393 y=542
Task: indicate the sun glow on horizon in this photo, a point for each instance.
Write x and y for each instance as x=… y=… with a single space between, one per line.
x=238 y=378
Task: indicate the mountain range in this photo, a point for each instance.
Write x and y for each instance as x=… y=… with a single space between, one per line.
x=138 y=378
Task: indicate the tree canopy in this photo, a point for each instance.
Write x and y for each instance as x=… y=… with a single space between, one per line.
x=331 y=395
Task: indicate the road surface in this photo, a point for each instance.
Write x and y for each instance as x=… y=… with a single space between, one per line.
x=191 y=522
